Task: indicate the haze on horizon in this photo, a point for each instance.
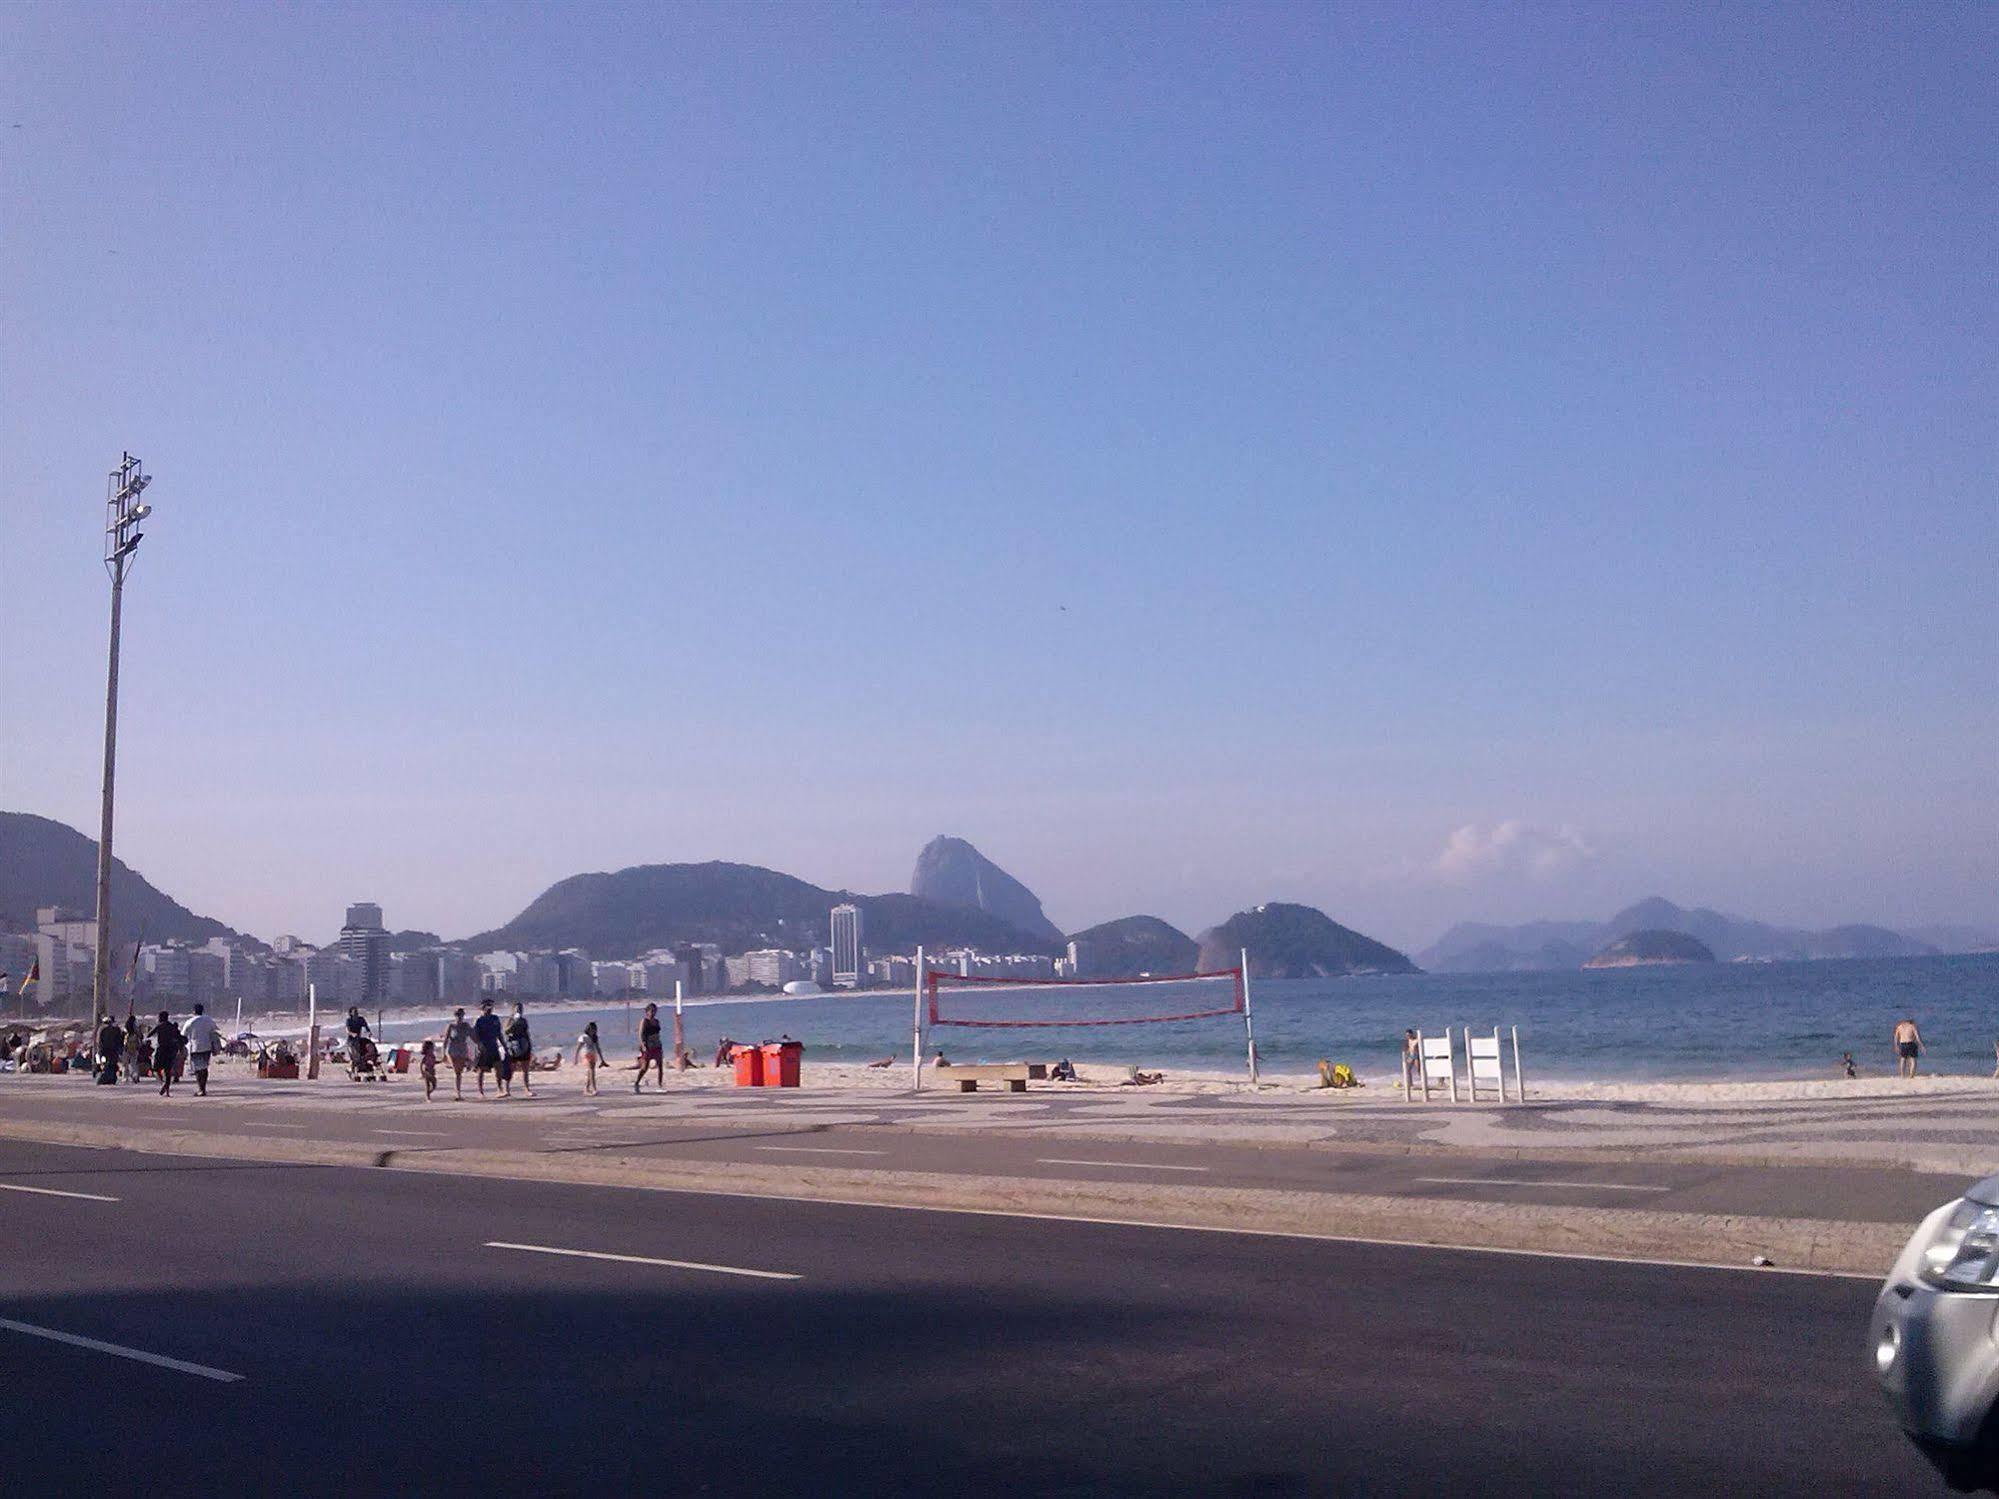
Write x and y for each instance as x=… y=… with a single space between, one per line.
x=1460 y=464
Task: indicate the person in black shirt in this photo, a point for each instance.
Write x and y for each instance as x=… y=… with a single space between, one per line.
x=487 y=1040
x=651 y=1053
x=110 y=1046
x=166 y=1051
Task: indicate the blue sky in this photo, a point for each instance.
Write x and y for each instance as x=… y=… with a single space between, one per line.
x=1432 y=462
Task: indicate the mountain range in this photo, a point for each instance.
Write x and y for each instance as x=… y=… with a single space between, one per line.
x=1475 y=947
x=958 y=897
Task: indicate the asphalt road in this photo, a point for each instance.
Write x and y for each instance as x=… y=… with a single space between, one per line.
x=384 y=1345
x=764 y=1129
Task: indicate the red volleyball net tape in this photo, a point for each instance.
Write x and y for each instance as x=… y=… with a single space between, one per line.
x=1006 y=1003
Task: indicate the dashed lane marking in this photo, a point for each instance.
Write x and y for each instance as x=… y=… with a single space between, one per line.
x=641 y=1259
x=52 y=1192
x=119 y=1350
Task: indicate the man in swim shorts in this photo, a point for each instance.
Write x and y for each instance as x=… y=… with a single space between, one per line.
x=1908 y=1046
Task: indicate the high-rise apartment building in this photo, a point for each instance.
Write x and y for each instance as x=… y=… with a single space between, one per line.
x=848 y=959
x=365 y=942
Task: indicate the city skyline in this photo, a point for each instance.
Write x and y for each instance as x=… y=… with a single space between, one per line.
x=1426 y=466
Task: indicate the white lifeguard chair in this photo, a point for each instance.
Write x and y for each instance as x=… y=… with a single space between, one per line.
x=1486 y=1071
x=1439 y=1063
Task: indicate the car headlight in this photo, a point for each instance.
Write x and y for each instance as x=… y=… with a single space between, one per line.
x=1964 y=1255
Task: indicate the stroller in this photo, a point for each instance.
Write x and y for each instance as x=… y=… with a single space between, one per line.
x=364 y=1060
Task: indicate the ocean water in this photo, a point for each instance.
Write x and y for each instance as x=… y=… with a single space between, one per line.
x=1692 y=1022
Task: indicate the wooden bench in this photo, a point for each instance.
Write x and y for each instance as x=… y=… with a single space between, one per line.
x=1013 y=1074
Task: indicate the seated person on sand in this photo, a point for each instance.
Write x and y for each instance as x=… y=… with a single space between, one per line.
x=1063 y=1071
x=940 y=1060
x=725 y=1052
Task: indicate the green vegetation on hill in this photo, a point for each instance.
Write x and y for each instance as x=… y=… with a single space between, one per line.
x=1297 y=942
x=1133 y=945
x=47 y=863
x=1652 y=946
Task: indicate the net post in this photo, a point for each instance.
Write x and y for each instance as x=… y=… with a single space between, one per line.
x=679 y=1027
x=1248 y=1025
x=916 y=1027
x=1519 y=1082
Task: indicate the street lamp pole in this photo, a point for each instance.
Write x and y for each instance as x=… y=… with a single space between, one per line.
x=122 y=514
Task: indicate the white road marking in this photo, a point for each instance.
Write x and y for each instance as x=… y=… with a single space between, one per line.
x=137 y=1355
x=1509 y=1181
x=428 y=1134
x=640 y=1259
x=52 y=1192
x=1134 y=1165
x=817 y=1150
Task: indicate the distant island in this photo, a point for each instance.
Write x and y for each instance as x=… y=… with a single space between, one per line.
x=1296 y=942
x=1540 y=946
x=1650 y=947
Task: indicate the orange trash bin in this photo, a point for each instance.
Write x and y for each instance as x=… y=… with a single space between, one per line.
x=781 y=1064
x=749 y=1067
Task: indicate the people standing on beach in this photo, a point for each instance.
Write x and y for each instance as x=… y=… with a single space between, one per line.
x=202 y=1041
x=1908 y=1047
x=1412 y=1059
x=520 y=1050
x=1846 y=1065
x=427 y=1068
x=651 y=1053
x=166 y=1051
x=725 y=1052
x=458 y=1047
x=590 y=1052
x=488 y=1045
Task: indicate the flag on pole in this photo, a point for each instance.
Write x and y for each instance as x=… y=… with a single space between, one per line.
x=34 y=975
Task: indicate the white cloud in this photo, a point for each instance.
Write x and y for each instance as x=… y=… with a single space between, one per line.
x=1474 y=852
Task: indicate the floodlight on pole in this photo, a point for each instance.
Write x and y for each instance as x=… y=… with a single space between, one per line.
x=122 y=515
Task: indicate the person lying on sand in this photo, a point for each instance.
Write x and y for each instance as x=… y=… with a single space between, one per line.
x=1143 y=1079
x=884 y=1062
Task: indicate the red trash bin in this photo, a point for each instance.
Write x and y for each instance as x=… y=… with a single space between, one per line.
x=749 y=1067
x=781 y=1063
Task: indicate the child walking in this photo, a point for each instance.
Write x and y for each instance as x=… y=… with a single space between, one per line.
x=590 y=1052
x=427 y=1065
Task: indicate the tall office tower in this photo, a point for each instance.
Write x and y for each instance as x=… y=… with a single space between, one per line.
x=848 y=968
x=364 y=940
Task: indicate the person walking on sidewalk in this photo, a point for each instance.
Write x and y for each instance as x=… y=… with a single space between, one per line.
x=458 y=1049
x=651 y=1053
x=520 y=1051
x=488 y=1045
x=133 y=1061
x=166 y=1051
x=110 y=1047
x=203 y=1041
x=590 y=1052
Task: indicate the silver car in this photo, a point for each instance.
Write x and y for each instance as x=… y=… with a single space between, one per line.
x=1934 y=1337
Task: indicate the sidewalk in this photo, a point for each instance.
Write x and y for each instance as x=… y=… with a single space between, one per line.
x=1828 y=1183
